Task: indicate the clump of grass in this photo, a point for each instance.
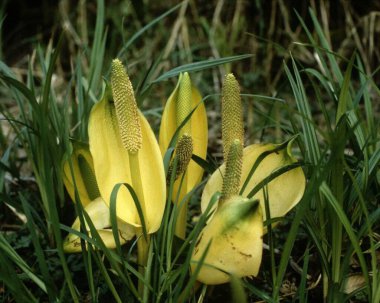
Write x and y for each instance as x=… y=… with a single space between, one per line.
x=340 y=213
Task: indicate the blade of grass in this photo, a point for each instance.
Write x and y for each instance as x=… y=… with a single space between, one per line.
x=201 y=65
x=13 y=283
x=317 y=176
x=308 y=133
x=345 y=100
x=336 y=72
x=326 y=191
x=145 y=28
x=17 y=260
x=98 y=48
x=50 y=287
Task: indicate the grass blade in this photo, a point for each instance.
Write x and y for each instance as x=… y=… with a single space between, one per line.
x=201 y=65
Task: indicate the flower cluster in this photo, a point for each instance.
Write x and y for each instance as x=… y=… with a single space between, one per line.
x=123 y=151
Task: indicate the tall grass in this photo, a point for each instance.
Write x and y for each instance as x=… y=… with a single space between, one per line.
x=341 y=214
x=331 y=106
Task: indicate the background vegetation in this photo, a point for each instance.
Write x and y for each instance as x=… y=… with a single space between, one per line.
x=313 y=71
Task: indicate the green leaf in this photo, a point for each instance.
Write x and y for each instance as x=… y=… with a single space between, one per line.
x=201 y=65
x=308 y=129
x=28 y=94
x=326 y=191
x=18 y=260
x=345 y=101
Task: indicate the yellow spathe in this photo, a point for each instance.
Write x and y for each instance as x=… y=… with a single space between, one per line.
x=235 y=237
x=112 y=166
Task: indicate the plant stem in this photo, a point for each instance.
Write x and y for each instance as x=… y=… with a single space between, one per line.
x=180 y=227
x=134 y=167
x=142 y=257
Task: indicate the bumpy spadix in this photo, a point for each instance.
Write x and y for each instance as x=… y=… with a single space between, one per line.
x=232 y=176
x=184 y=103
x=183 y=154
x=232 y=114
x=126 y=108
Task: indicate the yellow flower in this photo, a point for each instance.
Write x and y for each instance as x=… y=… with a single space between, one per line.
x=125 y=150
x=89 y=196
x=192 y=139
x=232 y=238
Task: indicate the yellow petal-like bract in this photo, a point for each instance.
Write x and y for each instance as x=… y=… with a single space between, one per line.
x=234 y=236
x=112 y=166
x=99 y=213
x=198 y=131
x=284 y=192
